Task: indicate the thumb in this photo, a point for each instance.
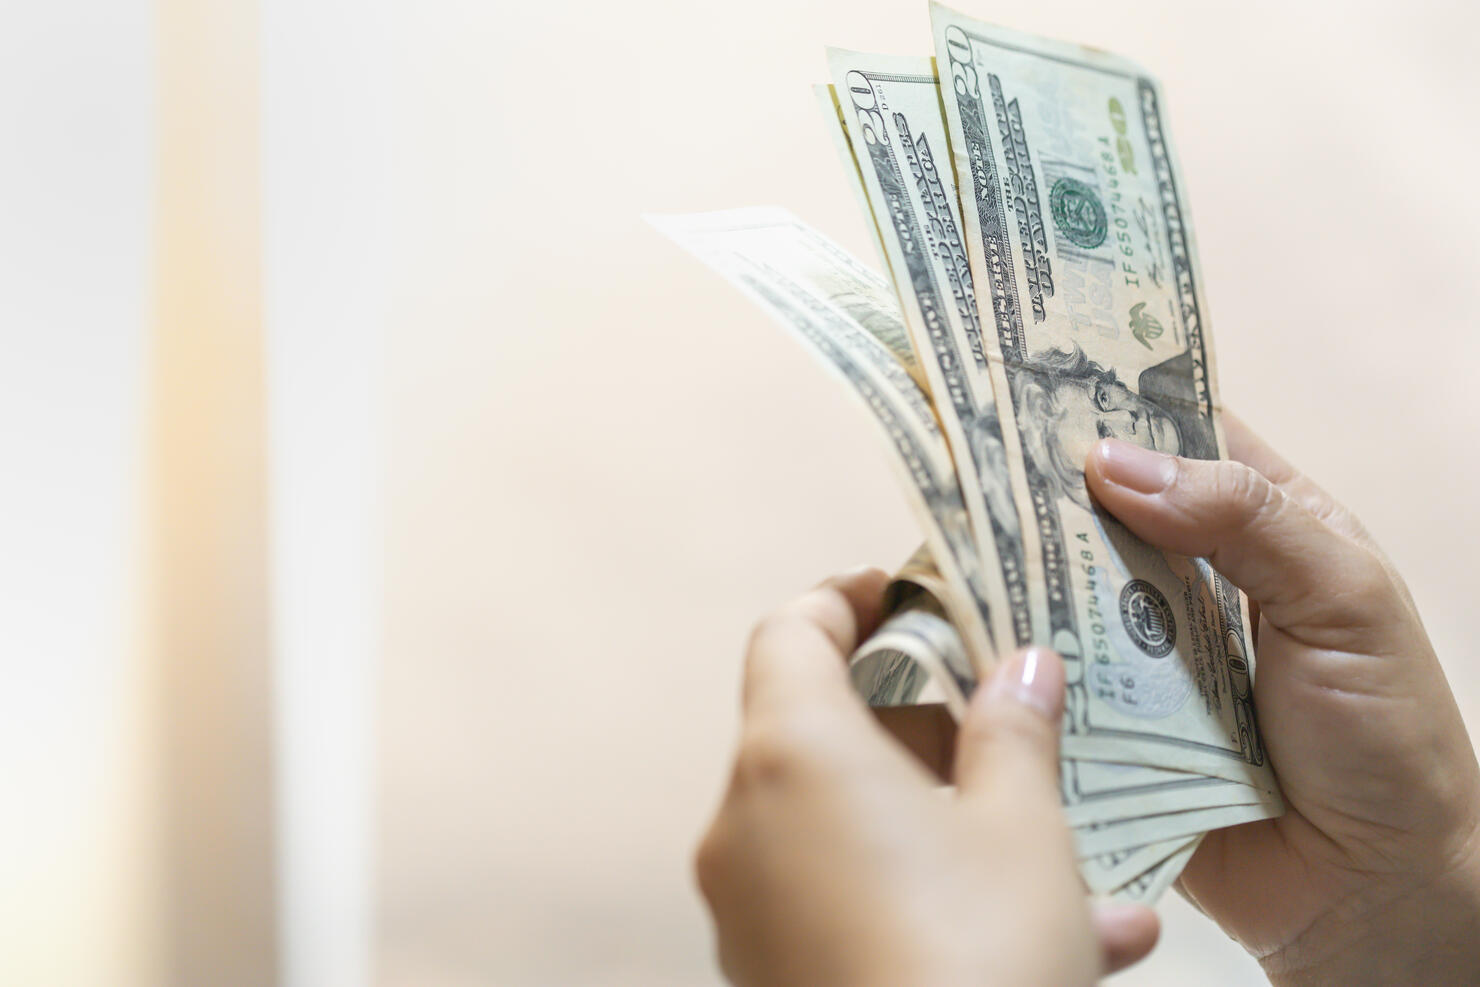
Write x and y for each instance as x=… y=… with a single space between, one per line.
x=1009 y=739
x=1307 y=579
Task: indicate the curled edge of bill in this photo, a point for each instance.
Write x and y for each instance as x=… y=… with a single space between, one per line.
x=875 y=374
x=1147 y=887
x=912 y=651
x=1109 y=872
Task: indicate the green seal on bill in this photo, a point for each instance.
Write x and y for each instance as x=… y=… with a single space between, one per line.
x=1078 y=214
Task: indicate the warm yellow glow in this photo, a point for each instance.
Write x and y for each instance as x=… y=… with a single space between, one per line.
x=208 y=501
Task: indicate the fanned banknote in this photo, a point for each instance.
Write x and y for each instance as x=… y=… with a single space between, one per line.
x=890 y=111
x=844 y=313
x=1078 y=230
x=1041 y=293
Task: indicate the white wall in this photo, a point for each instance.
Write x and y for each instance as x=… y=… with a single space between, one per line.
x=326 y=159
x=606 y=463
x=76 y=194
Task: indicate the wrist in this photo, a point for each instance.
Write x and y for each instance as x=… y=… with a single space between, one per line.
x=1427 y=934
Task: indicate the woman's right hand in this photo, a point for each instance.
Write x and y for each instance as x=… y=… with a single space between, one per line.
x=1373 y=873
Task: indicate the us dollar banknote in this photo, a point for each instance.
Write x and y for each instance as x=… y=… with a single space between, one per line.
x=837 y=129
x=914 y=658
x=845 y=314
x=1149 y=885
x=1125 y=816
x=1093 y=792
x=808 y=282
x=1083 y=256
x=890 y=110
x=1041 y=293
x=1106 y=873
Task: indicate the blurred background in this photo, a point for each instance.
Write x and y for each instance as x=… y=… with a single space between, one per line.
x=386 y=504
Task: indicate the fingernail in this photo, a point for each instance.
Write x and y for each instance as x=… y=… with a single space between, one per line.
x=1142 y=470
x=1029 y=678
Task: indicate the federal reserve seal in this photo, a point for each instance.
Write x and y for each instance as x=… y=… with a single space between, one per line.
x=1147 y=617
x=1078 y=214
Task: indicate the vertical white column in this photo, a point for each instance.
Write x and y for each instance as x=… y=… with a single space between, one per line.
x=77 y=106
x=326 y=154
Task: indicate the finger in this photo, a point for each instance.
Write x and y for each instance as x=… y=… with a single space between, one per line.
x=797 y=655
x=1180 y=886
x=1009 y=739
x=863 y=588
x=927 y=731
x=1247 y=447
x=1307 y=579
x=1127 y=933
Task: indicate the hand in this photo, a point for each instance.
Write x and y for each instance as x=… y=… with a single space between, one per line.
x=836 y=859
x=1372 y=875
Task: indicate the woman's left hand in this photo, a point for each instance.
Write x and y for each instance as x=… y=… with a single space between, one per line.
x=836 y=858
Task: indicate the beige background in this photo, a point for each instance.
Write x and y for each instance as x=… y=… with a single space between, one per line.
x=385 y=504
x=604 y=463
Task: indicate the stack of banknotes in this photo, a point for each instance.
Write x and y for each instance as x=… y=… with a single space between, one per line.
x=1043 y=293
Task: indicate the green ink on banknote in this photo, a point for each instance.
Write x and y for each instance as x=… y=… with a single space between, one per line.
x=1123 y=147
x=1078 y=214
x=1144 y=325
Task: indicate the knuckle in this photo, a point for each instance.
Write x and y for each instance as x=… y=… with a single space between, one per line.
x=783 y=748
x=1370 y=578
x=822 y=613
x=710 y=858
x=974 y=732
x=1370 y=585
x=767 y=630
x=780 y=630
x=826 y=600
x=1023 y=727
x=1008 y=725
x=774 y=634
x=1243 y=492
x=771 y=753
